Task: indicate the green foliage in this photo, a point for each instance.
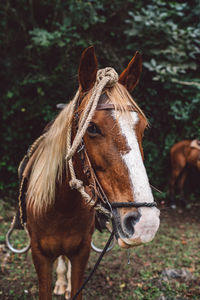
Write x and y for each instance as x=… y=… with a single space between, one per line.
x=168 y=35
x=41 y=43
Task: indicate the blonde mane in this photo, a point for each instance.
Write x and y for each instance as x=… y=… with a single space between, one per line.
x=48 y=167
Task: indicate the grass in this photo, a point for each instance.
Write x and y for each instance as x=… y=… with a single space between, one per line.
x=176 y=246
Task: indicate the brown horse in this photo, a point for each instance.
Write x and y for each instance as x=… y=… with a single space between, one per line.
x=183 y=154
x=90 y=159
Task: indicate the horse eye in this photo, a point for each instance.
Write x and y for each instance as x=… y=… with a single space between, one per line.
x=93 y=129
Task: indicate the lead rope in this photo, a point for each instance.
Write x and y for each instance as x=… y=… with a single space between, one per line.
x=95 y=266
x=105 y=78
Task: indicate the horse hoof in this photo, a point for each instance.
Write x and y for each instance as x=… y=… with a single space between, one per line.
x=59 y=289
x=67 y=295
x=173 y=206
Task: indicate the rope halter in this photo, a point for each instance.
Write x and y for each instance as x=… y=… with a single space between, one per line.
x=105 y=78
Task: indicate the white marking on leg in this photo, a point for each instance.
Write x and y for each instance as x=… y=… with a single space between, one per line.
x=69 y=284
x=61 y=283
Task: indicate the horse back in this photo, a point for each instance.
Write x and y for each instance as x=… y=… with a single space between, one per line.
x=183 y=154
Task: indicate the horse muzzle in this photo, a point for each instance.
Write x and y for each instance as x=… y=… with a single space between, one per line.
x=136 y=227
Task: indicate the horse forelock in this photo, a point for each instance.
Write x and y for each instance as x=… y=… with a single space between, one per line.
x=119 y=97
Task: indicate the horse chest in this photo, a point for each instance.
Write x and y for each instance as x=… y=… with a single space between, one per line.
x=64 y=234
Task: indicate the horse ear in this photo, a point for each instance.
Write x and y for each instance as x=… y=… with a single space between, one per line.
x=131 y=75
x=87 y=69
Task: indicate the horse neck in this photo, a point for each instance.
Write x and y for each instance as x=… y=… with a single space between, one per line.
x=67 y=199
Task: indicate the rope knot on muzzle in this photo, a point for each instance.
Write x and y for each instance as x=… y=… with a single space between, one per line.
x=76 y=184
x=110 y=74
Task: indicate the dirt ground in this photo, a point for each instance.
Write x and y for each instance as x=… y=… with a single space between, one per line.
x=176 y=247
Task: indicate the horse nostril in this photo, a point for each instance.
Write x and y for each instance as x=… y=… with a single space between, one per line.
x=130 y=220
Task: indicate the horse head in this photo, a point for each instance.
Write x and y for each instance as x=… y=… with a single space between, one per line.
x=113 y=145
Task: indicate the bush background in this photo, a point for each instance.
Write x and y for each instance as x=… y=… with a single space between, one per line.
x=40 y=46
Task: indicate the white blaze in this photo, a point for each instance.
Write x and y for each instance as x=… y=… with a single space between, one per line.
x=133 y=159
x=148 y=224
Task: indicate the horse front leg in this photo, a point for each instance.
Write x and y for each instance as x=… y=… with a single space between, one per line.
x=172 y=194
x=43 y=266
x=78 y=264
x=181 y=187
x=173 y=180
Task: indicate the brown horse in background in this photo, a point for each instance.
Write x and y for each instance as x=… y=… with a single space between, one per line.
x=99 y=158
x=184 y=155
